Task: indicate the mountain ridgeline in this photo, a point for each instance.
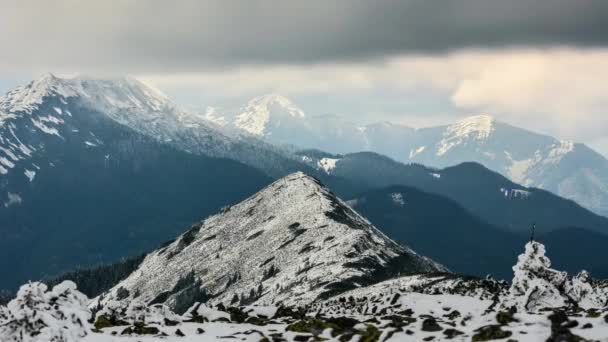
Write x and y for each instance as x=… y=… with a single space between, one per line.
x=95 y=170
x=569 y=169
x=292 y=242
x=442 y=229
x=79 y=188
x=484 y=193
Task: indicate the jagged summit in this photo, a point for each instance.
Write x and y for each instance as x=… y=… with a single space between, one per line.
x=264 y=111
x=112 y=94
x=478 y=128
x=292 y=242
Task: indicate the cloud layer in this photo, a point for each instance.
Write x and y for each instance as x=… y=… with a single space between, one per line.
x=158 y=36
x=535 y=63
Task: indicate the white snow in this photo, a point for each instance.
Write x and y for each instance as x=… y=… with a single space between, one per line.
x=254 y=117
x=44 y=128
x=287 y=226
x=416 y=152
x=518 y=170
x=515 y=193
x=475 y=127
x=306 y=159
x=13 y=199
x=397 y=198
x=211 y=114
x=7 y=163
x=30 y=174
x=327 y=164
x=51 y=119
x=409 y=308
x=58 y=110
x=38 y=315
x=558 y=151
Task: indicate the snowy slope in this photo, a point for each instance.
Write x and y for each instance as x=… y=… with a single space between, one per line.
x=74 y=150
x=292 y=242
x=44 y=108
x=264 y=113
x=481 y=191
x=571 y=170
x=541 y=304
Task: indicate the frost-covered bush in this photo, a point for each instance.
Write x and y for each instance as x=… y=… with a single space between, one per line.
x=126 y=312
x=59 y=315
x=581 y=289
x=536 y=285
x=201 y=312
x=161 y=314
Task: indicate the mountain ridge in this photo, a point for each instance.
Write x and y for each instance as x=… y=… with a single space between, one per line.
x=571 y=170
x=292 y=242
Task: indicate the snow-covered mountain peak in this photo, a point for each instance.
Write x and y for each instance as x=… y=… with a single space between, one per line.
x=255 y=116
x=292 y=242
x=478 y=128
x=101 y=94
x=26 y=98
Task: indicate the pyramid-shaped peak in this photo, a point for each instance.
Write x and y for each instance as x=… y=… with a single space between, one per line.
x=291 y=242
x=266 y=111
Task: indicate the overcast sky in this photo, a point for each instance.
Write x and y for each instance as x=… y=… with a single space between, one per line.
x=541 y=64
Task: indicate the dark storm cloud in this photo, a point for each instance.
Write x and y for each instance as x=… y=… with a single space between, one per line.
x=190 y=35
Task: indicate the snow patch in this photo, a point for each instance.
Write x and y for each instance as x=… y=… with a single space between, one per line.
x=397 y=198
x=327 y=164
x=30 y=174
x=254 y=117
x=558 y=151
x=515 y=193
x=44 y=128
x=416 y=152
x=13 y=199
x=475 y=127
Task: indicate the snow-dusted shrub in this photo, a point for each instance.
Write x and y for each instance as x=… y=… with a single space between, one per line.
x=536 y=285
x=136 y=311
x=161 y=314
x=59 y=315
x=582 y=291
x=139 y=312
x=114 y=309
x=128 y=312
x=200 y=311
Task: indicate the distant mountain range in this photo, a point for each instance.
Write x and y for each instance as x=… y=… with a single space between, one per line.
x=93 y=170
x=486 y=194
x=571 y=170
x=438 y=227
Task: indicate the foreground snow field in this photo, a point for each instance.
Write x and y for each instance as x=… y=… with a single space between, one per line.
x=541 y=304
